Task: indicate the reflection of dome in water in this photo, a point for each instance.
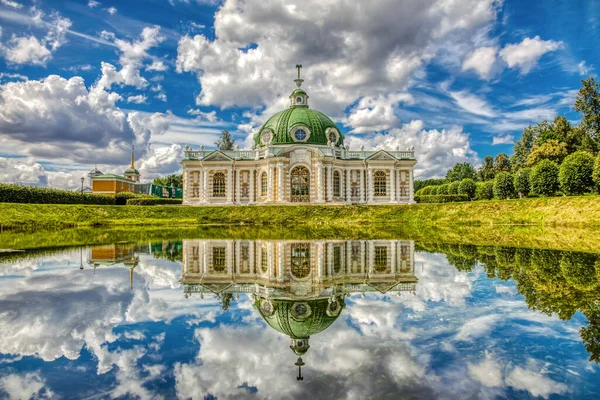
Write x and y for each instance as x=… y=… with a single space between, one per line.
x=300 y=319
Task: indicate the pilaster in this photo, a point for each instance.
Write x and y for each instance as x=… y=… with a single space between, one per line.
x=348 y=186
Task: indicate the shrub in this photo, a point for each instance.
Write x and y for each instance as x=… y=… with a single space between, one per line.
x=453 y=189
x=575 y=175
x=121 y=198
x=522 y=181
x=443 y=189
x=433 y=190
x=447 y=198
x=544 y=178
x=504 y=187
x=484 y=190
x=467 y=186
x=425 y=191
x=36 y=195
x=596 y=173
x=152 y=201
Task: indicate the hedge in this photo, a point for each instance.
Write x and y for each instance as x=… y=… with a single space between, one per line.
x=467 y=186
x=504 y=185
x=575 y=174
x=442 y=198
x=484 y=190
x=152 y=201
x=10 y=193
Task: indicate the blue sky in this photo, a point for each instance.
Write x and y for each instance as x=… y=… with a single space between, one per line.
x=81 y=81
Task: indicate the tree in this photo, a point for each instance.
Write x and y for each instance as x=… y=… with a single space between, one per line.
x=467 y=186
x=588 y=104
x=596 y=173
x=175 y=180
x=453 y=189
x=501 y=163
x=486 y=171
x=484 y=190
x=522 y=182
x=552 y=150
x=523 y=147
x=443 y=189
x=461 y=171
x=225 y=142
x=504 y=187
x=544 y=178
x=575 y=175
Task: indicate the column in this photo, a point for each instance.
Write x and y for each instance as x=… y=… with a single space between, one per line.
x=329 y=258
x=393 y=256
x=330 y=183
x=392 y=185
x=205 y=195
x=319 y=183
x=280 y=182
x=281 y=266
x=251 y=187
x=229 y=185
x=361 y=185
x=270 y=183
x=371 y=258
x=204 y=257
x=320 y=260
x=370 y=185
x=252 y=266
x=238 y=182
x=229 y=257
x=348 y=186
x=410 y=187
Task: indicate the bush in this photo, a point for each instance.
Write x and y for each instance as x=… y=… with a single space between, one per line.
x=596 y=173
x=484 y=190
x=121 y=198
x=522 y=181
x=443 y=189
x=453 y=189
x=425 y=191
x=152 y=201
x=467 y=186
x=544 y=178
x=433 y=190
x=504 y=187
x=447 y=198
x=36 y=195
x=575 y=175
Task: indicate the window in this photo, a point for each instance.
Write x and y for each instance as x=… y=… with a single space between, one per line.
x=337 y=259
x=332 y=137
x=266 y=136
x=300 y=135
x=264 y=260
x=336 y=183
x=299 y=100
x=300 y=182
x=219 y=259
x=379 y=184
x=381 y=258
x=263 y=184
x=219 y=184
x=300 y=258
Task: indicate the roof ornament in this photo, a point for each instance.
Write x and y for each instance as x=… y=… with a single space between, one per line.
x=298 y=81
x=299 y=363
x=132 y=157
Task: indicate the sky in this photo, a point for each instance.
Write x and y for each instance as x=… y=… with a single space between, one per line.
x=83 y=81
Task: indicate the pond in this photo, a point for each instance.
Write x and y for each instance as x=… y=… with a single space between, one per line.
x=225 y=318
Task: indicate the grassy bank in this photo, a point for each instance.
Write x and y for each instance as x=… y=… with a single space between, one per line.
x=559 y=211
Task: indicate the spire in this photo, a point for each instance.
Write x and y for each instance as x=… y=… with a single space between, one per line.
x=299 y=363
x=132 y=157
x=298 y=81
x=131 y=278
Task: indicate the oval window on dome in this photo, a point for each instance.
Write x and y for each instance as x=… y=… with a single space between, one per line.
x=300 y=135
x=332 y=137
x=266 y=136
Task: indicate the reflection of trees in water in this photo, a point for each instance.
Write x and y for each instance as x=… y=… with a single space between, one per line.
x=553 y=282
x=168 y=250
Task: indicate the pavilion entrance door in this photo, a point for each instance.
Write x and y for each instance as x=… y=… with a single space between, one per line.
x=300 y=182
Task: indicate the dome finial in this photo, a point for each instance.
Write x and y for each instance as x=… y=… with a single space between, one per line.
x=298 y=81
x=299 y=364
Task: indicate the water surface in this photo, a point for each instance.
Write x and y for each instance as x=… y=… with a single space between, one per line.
x=299 y=319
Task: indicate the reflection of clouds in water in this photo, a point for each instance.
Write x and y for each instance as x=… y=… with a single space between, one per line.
x=24 y=386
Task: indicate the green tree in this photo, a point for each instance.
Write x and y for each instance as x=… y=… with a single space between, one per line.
x=544 y=178
x=588 y=104
x=467 y=186
x=522 y=148
x=596 y=173
x=575 y=175
x=484 y=190
x=552 y=150
x=433 y=190
x=504 y=187
x=486 y=171
x=501 y=163
x=443 y=189
x=225 y=142
x=453 y=189
x=522 y=182
x=461 y=171
x=175 y=180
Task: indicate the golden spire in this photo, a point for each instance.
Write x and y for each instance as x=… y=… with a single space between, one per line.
x=131 y=277
x=132 y=157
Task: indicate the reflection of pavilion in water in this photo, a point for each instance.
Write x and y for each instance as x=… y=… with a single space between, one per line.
x=117 y=253
x=298 y=286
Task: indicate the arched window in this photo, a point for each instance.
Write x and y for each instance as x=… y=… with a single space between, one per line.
x=263 y=184
x=379 y=184
x=219 y=184
x=336 y=183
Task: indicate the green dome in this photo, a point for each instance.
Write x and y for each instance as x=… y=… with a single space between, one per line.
x=283 y=124
x=298 y=92
x=131 y=171
x=299 y=319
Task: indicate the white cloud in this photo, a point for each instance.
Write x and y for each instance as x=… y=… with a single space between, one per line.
x=111 y=10
x=473 y=104
x=534 y=382
x=377 y=113
x=481 y=60
x=477 y=327
x=204 y=116
x=93 y=3
x=526 y=54
x=487 y=372
x=22 y=171
x=137 y=99
x=161 y=161
x=535 y=114
x=12 y=4
x=584 y=69
x=157 y=66
x=161 y=96
x=24 y=386
x=503 y=139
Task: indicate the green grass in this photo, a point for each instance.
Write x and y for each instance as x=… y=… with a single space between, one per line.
x=583 y=211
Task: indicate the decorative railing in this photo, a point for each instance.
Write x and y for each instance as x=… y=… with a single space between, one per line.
x=192 y=154
x=403 y=154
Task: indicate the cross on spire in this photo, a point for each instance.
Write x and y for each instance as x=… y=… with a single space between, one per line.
x=298 y=67
x=298 y=80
